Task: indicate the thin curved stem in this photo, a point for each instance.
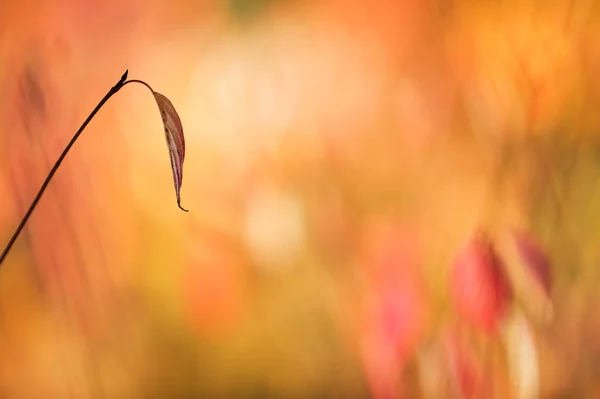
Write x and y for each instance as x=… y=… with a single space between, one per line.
x=140 y=82
x=62 y=156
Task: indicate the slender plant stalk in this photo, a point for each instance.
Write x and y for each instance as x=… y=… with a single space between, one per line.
x=57 y=164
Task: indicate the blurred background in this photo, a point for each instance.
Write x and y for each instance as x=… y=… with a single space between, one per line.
x=388 y=199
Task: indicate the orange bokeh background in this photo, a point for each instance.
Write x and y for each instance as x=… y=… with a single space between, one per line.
x=339 y=155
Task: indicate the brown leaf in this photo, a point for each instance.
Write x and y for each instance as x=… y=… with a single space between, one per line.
x=175 y=141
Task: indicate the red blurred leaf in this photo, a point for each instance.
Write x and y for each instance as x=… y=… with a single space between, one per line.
x=479 y=284
x=175 y=141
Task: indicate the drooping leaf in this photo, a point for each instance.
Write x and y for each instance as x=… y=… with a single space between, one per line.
x=175 y=141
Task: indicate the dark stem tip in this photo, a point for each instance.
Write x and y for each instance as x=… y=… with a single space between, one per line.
x=124 y=77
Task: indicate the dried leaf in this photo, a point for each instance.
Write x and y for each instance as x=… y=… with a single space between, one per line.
x=175 y=141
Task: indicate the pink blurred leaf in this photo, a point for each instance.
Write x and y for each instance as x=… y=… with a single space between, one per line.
x=175 y=141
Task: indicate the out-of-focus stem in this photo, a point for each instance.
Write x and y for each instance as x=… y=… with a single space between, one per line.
x=57 y=164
